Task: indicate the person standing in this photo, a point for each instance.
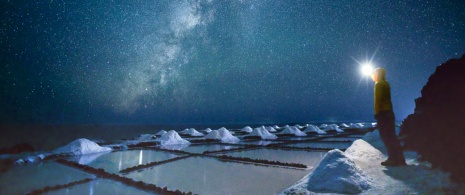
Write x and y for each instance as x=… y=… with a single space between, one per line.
x=385 y=118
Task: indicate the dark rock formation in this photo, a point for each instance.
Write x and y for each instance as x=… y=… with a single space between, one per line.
x=437 y=127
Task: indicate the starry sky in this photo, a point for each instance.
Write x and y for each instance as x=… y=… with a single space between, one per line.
x=217 y=61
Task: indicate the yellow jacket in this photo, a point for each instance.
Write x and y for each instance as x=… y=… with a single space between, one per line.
x=382 y=96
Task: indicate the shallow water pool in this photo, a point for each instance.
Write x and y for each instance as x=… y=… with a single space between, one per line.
x=204 y=175
x=24 y=179
x=309 y=158
x=117 y=161
x=100 y=186
x=198 y=149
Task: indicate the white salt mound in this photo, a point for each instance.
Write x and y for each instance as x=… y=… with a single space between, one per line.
x=81 y=146
x=270 y=129
x=362 y=150
x=313 y=128
x=223 y=135
x=332 y=127
x=247 y=129
x=144 y=137
x=192 y=132
x=323 y=126
x=160 y=133
x=338 y=174
x=224 y=129
x=208 y=130
x=171 y=138
x=292 y=131
x=263 y=134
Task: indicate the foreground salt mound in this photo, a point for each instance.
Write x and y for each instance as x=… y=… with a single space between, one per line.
x=336 y=173
x=223 y=135
x=314 y=129
x=171 y=138
x=247 y=129
x=332 y=127
x=362 y=150
x=292 y=131
x=262 y=133
x=81 y=146
x=191 y=132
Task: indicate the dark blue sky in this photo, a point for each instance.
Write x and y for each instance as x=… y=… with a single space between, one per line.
x=211 y=61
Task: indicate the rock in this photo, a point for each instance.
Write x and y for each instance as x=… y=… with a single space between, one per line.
x=436 y=129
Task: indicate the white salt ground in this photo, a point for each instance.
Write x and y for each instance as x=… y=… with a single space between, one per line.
x=367 y=154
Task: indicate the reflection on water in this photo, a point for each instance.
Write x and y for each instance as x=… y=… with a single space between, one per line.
x=24 y=179
x=100 y=187
x=175 y=147
x=198 y=149
x=210 y=176
x=88 y=158
x=117 y=161
x=338 y=145
x=311 y=159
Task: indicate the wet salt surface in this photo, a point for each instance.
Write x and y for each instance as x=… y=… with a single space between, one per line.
x=100 y=186
x=198 y=149
x=204 y=175
x=24 y=179
x=117 y=161
x=311 y=159
x=338 y=145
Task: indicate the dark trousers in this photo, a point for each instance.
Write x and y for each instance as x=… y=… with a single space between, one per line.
x=387 y=131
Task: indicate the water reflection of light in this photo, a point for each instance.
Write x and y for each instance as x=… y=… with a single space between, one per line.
x=120 y=161
x=91 y=188
x=140 y=157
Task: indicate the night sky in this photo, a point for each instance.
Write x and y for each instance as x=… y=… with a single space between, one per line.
x=206 y=61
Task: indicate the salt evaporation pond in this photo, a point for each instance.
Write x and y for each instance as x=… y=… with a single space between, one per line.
x=338 y=145
x=309 y=158
x=25 y=179
x=117 y=161
x=100 y=186
x=203 y=175
x=198 y=149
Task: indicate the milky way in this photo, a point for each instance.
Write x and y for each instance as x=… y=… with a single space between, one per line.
x=206 y=61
